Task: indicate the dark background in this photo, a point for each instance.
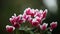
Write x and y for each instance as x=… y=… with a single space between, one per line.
x=9 y=7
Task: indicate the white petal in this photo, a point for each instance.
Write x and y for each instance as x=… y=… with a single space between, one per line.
x=41 y=11
x=14 y=14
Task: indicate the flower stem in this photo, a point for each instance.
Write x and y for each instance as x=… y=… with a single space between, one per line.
x=16 y=31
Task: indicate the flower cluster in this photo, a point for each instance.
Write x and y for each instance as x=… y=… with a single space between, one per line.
x=33 y=16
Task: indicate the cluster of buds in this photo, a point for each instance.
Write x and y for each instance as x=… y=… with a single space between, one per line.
x=33 y=16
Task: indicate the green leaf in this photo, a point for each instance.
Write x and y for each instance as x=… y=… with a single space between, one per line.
x=48 y=32
x=31 y=32
x=21 y=28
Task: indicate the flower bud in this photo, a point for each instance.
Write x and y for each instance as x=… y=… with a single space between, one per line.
x=30 y=11
x=53 y=25
x=44 y=13
x=35 y=22
x=10 y=28
x=13 y=19
x=43 y=26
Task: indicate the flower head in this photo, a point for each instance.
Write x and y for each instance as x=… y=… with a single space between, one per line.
x=13 y=19
x=53 y=25
x=10 y=28
x=35 y=22
x=43 y=26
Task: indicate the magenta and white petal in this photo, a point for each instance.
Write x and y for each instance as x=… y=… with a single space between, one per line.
x=53 y=25
x=10 y=28
x=43 y=26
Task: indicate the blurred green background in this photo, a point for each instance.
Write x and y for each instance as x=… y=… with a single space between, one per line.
x=9 y=7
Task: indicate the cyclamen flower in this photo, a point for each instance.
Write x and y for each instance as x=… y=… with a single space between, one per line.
x=43 y=26
x=13 y=19
x=39 y=19
x=16 y=20
x=53 y=25
x=20 y=20
x=35 y=22
x=16 y=25
x=44 y=13
x=41 y=14
x=29 y=11
x=26 y=17
x=38 y=13
x=10 y=28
